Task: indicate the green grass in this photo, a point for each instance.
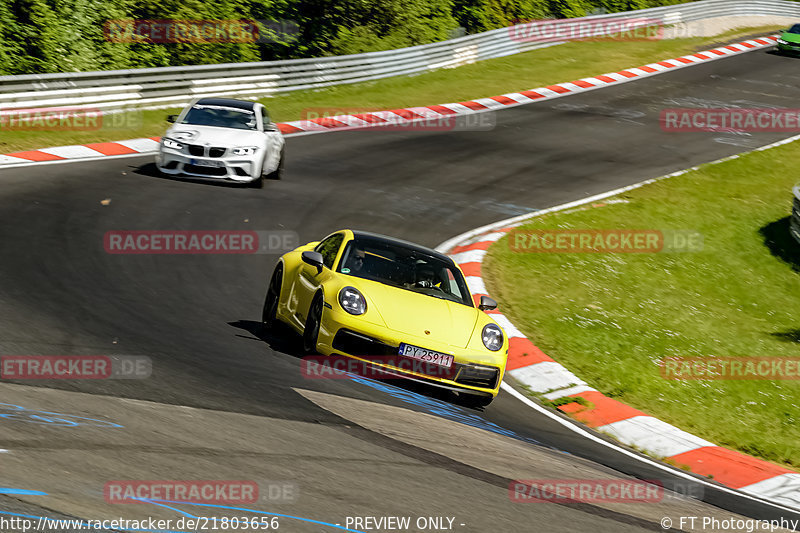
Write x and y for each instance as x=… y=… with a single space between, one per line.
x=610 y=318
x=486 y=78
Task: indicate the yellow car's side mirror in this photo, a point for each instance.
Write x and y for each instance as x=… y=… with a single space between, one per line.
x=487 y=304
x=314 y=259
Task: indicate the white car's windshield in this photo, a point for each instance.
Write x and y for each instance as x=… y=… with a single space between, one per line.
x=221 y=117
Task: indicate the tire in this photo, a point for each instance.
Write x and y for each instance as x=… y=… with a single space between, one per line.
x=257 y=183
x=474 y=401
x=269 y=315
x=313 y=320
x=278 y=172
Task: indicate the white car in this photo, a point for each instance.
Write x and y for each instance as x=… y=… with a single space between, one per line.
x=222 y=139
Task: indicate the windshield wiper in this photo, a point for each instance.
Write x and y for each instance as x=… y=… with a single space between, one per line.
x=435 y=296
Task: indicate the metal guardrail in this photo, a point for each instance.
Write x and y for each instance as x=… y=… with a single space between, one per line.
x=149 y=88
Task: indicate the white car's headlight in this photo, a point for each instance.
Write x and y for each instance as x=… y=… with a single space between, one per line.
x=492 y=337
x=245 y=150
x=171 y=143
x=352 y=301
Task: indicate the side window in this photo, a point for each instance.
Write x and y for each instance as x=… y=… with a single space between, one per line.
x=264 y=116
x=452 y=283
x=329 y=248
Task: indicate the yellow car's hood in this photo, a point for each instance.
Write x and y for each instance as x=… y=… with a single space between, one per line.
x=412 y=313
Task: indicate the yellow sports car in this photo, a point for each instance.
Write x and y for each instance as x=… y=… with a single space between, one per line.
x=389 y=302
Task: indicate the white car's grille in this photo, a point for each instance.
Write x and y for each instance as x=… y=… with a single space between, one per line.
x=198 y=150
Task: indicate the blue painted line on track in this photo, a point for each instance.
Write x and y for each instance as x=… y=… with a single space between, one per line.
x=25 y=492
x=444 y=409
x=18 y=413
x=184 y=513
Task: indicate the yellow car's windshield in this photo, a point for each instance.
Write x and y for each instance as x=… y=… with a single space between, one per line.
x=404 y=267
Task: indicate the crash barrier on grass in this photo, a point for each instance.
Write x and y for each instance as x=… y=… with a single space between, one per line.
x=151 y=88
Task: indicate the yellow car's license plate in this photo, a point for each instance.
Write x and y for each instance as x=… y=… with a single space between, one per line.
x=425 y=355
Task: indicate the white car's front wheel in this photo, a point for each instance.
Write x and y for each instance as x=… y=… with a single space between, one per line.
x=276 y=174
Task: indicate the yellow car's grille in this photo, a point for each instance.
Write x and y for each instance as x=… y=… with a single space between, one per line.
x=477 y=375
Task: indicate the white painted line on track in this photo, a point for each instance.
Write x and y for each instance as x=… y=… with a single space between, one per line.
x=665 y=468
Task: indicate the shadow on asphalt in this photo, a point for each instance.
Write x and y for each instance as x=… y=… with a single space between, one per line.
x=281 y=338
x=775 y=52
x=151 y=171
x=790 y=335
x=780 y=242
x=285 y=340
x=783 y=246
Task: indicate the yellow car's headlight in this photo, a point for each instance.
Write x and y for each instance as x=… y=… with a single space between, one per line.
x=352 y=301
x=492 y=337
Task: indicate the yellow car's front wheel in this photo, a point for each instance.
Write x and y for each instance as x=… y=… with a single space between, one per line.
x=270 y=313
x=313 y=321
x=474 y=400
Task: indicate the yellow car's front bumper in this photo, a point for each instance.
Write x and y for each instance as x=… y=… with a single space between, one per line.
x=474 y=371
